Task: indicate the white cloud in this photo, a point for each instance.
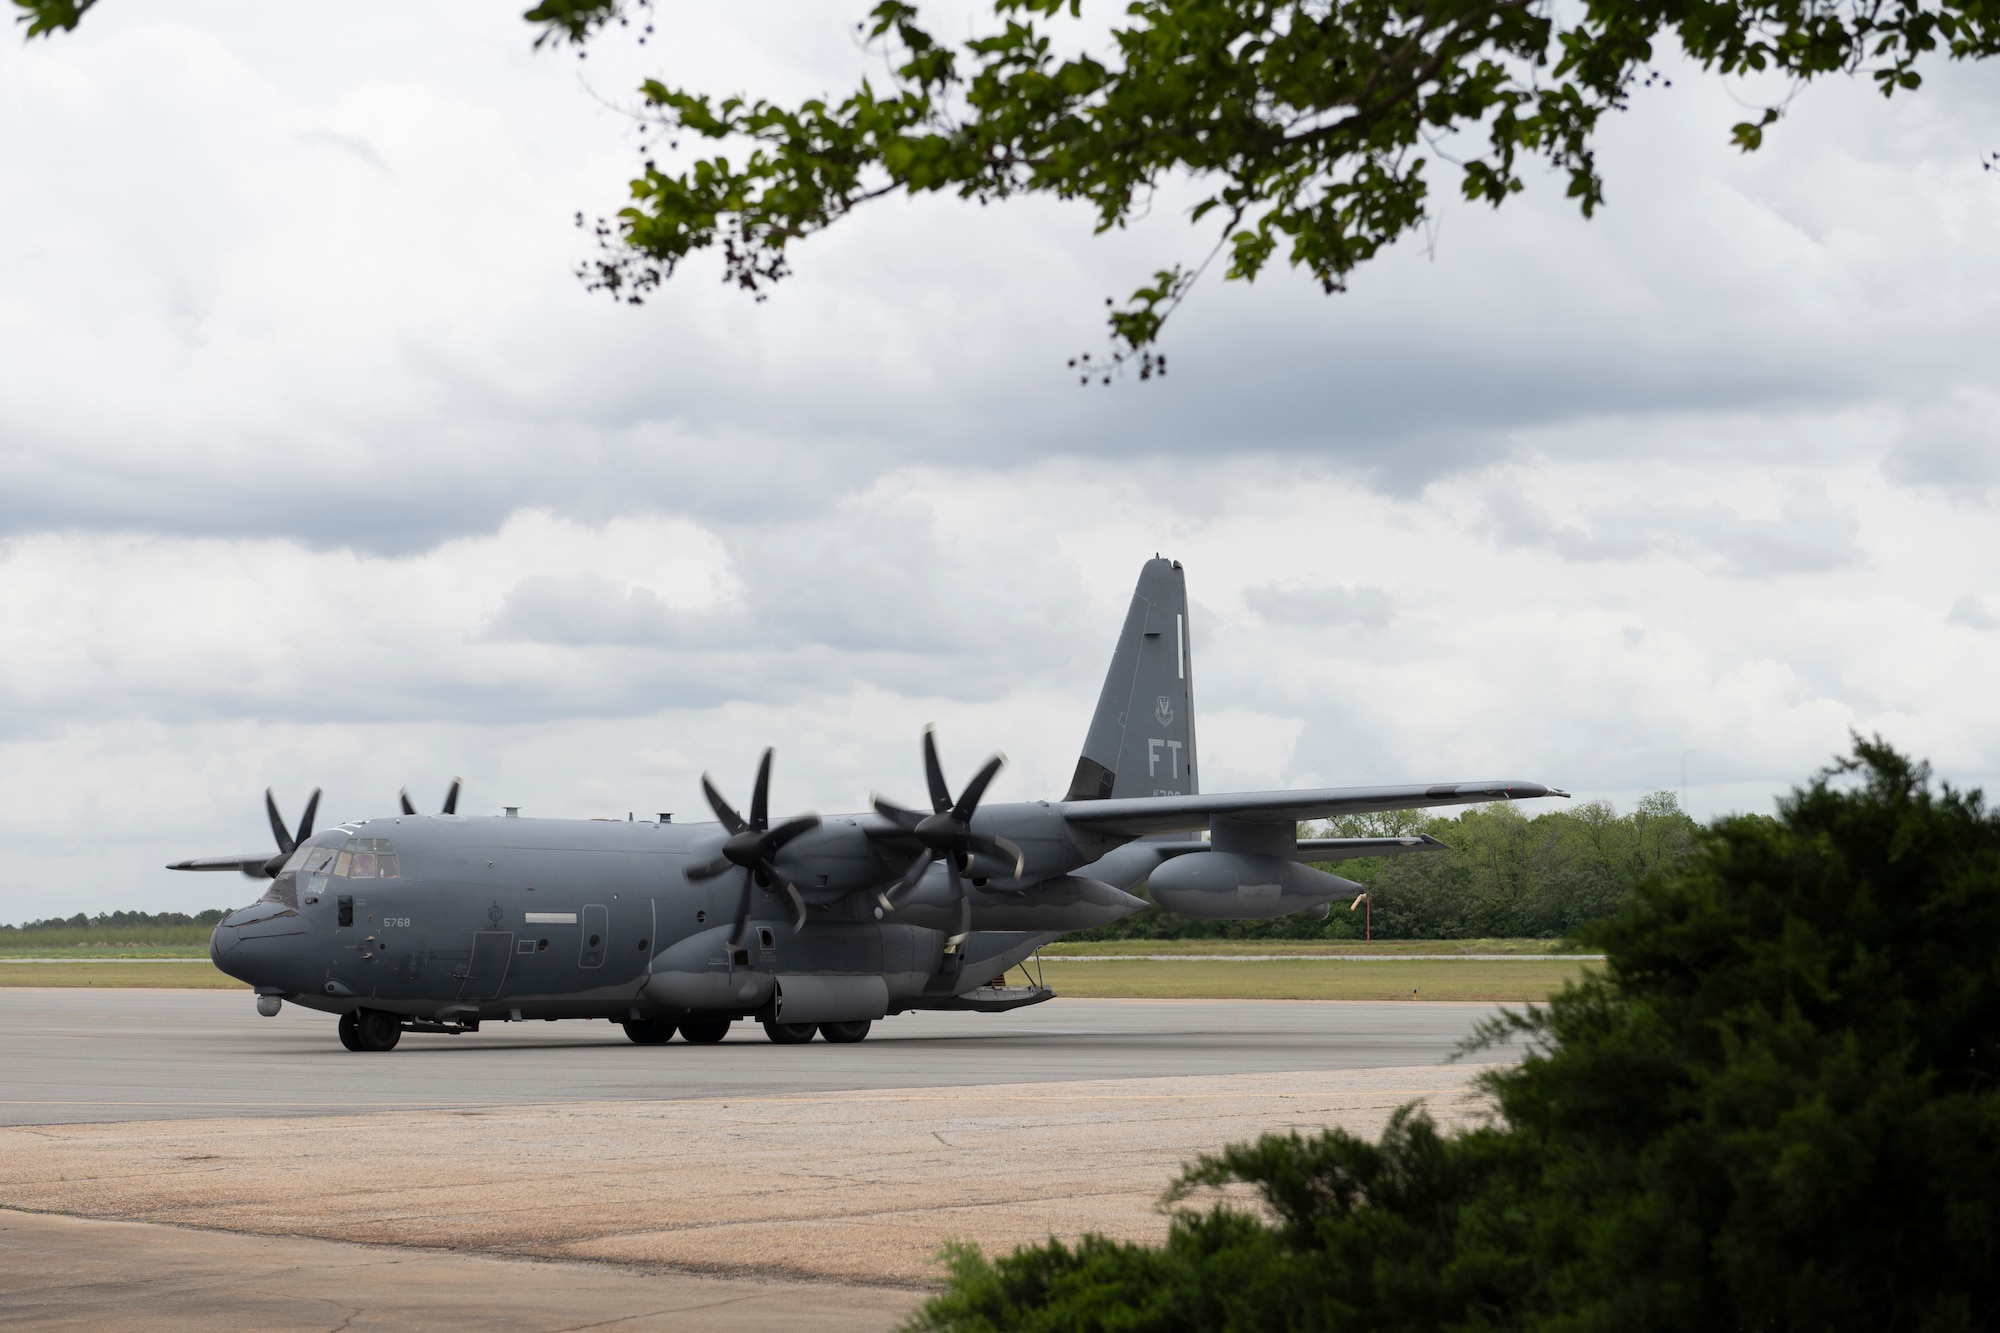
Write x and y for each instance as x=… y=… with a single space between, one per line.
x=1973 y=613
x=317 y=467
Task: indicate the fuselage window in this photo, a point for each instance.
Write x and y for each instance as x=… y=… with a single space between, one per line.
x=346 y=906
x=367 y=858
x=308 y=868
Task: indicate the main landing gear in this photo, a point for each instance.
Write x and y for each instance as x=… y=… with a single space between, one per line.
x=370 y=1030
x=793 y=1034
x=646 y=1032
x=705 y=1031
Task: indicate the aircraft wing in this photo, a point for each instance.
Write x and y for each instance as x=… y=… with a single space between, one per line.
x=245 y=863
x=1136 y=816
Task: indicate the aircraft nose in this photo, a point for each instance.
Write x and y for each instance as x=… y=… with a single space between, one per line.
x=254 y=944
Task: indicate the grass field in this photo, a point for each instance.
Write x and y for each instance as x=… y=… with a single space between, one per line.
x=108 y=951
x=1304 y=979
x=48 y=939
x=1302 y=948
x=1310 y=979
x=192 y=974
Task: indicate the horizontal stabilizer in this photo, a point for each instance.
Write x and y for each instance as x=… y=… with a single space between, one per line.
x=1140 y=815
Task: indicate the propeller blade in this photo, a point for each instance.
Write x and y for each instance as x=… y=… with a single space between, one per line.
x=964 y=904
x=278 y=829
x=784 y=881
x=760 y=795
x=306 y=819
x=934 y=773
x=270 y=869
x=999 y=849
x=741 y=939
x=451 y=796
x=727 y=816
x=785 y=832
x=699 y=873
x=404 y=797
x=907 y=885
x=897 y=815
x=968 y=800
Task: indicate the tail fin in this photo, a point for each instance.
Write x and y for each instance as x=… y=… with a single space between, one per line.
x=1141 y=740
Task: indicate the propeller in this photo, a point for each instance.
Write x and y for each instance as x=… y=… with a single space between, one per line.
x=450 y=798
x=287 y=841
x=947 y=832
x=753 y=846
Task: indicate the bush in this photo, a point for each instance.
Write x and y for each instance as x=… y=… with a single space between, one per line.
x=1775 y=1108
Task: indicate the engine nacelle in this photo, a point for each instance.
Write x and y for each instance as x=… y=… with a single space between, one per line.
x=1243 y=886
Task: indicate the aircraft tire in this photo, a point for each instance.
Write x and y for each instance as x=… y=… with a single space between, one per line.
x=790 y=1034
x=845 y=1033
x=647 y=1032
x=378 y=1031
x=350 y=1031
x=705 y=1031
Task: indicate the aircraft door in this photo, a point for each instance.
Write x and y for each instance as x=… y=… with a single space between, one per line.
x=487 y=971
x=596 y=936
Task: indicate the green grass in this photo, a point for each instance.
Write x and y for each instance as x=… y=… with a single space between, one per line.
x=48 y=939
x=1301 y=948
x=107 y=951
x=1310 y=979
x=193 y=974
x=1327 y=976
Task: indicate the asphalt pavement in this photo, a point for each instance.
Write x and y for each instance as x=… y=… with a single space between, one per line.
x=83 y=1055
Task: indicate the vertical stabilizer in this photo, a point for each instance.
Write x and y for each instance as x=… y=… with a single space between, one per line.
x=1141 y=740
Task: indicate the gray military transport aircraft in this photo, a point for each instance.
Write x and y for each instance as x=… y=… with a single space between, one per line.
x=438 y=923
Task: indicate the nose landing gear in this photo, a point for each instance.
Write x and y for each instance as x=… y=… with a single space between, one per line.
x=370 y=1030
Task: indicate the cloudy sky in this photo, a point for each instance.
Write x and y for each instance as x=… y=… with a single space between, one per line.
x=319 y=468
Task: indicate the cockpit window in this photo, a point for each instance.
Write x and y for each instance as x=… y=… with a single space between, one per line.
x=367 y=858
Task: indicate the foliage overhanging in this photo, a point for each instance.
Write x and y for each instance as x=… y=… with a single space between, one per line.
x=1306 y=125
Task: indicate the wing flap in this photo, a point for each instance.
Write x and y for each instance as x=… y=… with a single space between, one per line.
x=1137 y=816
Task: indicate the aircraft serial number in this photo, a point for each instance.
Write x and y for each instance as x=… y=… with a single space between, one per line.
x=395 y=921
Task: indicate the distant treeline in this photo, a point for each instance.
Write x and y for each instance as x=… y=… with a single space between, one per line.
x=1503 y=875
x=113 y=928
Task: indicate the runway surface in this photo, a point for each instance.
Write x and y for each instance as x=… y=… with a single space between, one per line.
x=69 y=1273
x=77 y=1056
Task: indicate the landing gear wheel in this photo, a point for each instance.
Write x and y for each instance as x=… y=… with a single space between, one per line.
x=790 y=1034
x=845 y=1033
x=646 y=1032
x=705 y=1031
x=350 y=1031
x=373 y=1030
